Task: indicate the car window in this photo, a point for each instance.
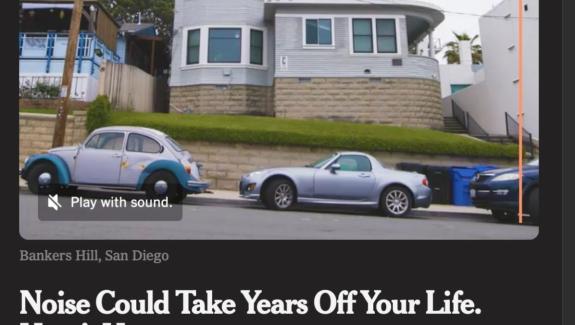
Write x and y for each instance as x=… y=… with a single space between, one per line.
x=321 y=162
x=352 y=163
x=142 y=143
x=106 y=141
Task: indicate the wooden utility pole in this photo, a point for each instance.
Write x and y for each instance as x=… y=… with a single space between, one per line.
x=66 y=88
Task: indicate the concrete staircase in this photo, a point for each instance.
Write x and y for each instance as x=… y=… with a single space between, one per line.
x=451 y=125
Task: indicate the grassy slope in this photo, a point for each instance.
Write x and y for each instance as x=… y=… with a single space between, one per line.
x=314 y=133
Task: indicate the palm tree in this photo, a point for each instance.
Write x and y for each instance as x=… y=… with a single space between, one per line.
x=452 y=54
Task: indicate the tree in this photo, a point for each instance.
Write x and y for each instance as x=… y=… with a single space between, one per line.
x=158 y=12
x=452 y=54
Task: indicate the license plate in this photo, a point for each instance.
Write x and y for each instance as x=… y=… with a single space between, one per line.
x=473 y=193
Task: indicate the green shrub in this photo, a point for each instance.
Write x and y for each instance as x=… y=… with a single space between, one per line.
x=99 y=113
x=313 y=133
x=40 y=90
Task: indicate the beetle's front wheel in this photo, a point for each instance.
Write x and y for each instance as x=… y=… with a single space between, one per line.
x=161 y=185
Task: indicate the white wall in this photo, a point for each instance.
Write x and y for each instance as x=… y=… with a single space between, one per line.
x=488 y=101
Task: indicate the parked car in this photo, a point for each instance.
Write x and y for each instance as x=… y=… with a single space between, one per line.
x=346 y=178
x=128 y=158
x=498 y=191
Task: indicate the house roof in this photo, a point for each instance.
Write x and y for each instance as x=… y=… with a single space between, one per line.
x=61 y=2
x=421 y=16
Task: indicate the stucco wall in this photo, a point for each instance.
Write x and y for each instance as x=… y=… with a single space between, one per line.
x=396 y=101
x=225 y=163
x=37 y=130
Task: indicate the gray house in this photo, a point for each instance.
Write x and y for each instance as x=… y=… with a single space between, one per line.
x=331 y=59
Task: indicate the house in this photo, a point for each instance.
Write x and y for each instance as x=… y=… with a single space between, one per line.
x=140 y=45
x=310 y=59
x=43 y=40
x=493 y=102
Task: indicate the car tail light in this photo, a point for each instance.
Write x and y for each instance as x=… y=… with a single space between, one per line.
x=188 y=169
x=425 y=182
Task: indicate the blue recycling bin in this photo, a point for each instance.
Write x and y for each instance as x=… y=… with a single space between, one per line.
x=461 y=177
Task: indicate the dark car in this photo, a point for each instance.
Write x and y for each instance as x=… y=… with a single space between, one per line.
x=497 y=190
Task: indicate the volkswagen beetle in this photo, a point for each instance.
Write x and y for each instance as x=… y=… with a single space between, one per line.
x=346 y=178
x=126 y=158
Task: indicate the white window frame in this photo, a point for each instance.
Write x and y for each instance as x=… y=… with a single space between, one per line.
x=204 y=44
x=374 y=35
x=318 y=46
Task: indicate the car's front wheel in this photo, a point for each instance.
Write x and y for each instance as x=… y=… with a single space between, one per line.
x=164 y=184
x=396 y=202
x=43 y=179
x=279 y=195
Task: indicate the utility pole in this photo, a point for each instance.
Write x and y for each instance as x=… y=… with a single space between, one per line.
x=66 y=88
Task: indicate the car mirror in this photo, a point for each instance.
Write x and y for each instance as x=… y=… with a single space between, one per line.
x=335 y=167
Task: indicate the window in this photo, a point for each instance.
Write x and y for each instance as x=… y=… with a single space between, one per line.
x=256 y=47
x=141 y=143
x=193 y=56
x=374 y=35
x=362 y=36
x=354 y=163
x=225 y=45
x=318 y=32
x=106 y=141
x=386 y=36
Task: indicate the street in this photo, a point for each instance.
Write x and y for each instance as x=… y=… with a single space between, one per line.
x=209 y=218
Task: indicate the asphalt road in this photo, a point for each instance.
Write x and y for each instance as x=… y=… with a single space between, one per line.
x=221 y=219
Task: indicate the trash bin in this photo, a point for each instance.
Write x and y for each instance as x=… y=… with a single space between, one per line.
x=461 y=177
x=411 y=167
x=439 y=178
x=484 y=168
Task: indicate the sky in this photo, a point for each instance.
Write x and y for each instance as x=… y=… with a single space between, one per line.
x=461 y=23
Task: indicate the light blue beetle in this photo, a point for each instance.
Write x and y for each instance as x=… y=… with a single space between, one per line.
x=126 y=158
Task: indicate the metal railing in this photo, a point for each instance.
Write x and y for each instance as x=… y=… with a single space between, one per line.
x=470 y=124
x=512 y=128
x=459 y=114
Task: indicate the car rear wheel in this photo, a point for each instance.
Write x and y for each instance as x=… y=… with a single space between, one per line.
x=533 y=205
x=279 y=195
x=396 y=202
x=43 y=179
x=164 y=184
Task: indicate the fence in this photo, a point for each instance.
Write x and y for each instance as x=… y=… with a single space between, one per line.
x=512 y=128
x=128 y=87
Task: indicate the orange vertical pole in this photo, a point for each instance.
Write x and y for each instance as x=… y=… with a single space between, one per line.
x=520 y=109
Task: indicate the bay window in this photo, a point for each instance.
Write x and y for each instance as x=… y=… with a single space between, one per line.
x=205 y=46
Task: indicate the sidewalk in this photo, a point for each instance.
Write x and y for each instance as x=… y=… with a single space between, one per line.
x=233 y=196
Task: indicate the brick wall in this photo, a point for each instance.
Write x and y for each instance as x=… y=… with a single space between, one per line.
x=396 y=101
x=224 y=163
x=37 y=130
x=224 y=99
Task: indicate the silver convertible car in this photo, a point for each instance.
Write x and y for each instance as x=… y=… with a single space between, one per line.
x=346 y=178
x=127 y=158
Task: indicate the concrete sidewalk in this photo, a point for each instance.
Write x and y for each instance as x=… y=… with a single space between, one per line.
x=233 y=197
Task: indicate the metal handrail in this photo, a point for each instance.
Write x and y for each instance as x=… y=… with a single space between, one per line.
x=512 y=129
x=459 y=114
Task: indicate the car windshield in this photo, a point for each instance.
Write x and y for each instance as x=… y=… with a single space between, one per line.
x=534 y=163
x=174 y=144
x=321 y=162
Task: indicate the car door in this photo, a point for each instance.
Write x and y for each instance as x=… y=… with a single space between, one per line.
x=98 y=161
x=140 y=151
x=354 y=180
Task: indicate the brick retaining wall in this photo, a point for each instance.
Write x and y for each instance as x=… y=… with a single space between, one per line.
x=37 y=130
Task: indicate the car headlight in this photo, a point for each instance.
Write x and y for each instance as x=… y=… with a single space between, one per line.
x=506 y=177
